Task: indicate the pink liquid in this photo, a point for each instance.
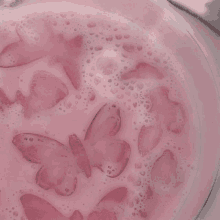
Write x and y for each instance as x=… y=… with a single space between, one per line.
x=96 y=120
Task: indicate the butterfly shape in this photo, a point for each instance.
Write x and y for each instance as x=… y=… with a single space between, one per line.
x=164 y=174
x=104 y=150
x=36 y=208
x=170 y=113
x=58 y=164
x=46 y=91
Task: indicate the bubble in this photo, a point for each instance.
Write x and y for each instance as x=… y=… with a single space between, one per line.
x=142 y=173
x=114 y=90
x=91 y=25
x=98 y=48
x=15 y=213
x=122 y=87
x=78 y=96
x=135 y=95
x=126 y=83
x=128 y=93
x=109 y=38
x=36 y=38
x=120 y=96
x=91 y=96
x=118 y=37
x=97 y=81
x=157 y=60
x=138 y=165
x=126 y=36
x=135 y=104
x=128 y=47
x=63 y=15
x=140 y=86
x=131 y=87
x=139 y=48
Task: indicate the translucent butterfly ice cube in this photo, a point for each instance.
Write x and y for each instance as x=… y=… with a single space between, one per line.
x=105 y=151
x=36 y=208
x=58 y=163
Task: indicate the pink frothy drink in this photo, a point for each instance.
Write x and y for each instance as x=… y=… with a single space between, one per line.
x=95 y=121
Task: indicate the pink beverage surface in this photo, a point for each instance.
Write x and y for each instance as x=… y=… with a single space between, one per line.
x=94 y=122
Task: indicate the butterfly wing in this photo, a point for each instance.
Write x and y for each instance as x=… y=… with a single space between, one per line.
x=149 y=137
x=14 y=51
x=107 y=122
x=164 y=173
x=46 y=92
x=142 y=71
x=58 y=163
x=68 y=185
x=171 y=113
x=38 y=148
x=110 y=206
x=31 y=146
x=43 y=180
x=51 y=174
x=164 y=168
x=110 y=156
x=23 y=51
x=36 y=208
x=116 y=157
x=117 y=195
x=76 y=215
